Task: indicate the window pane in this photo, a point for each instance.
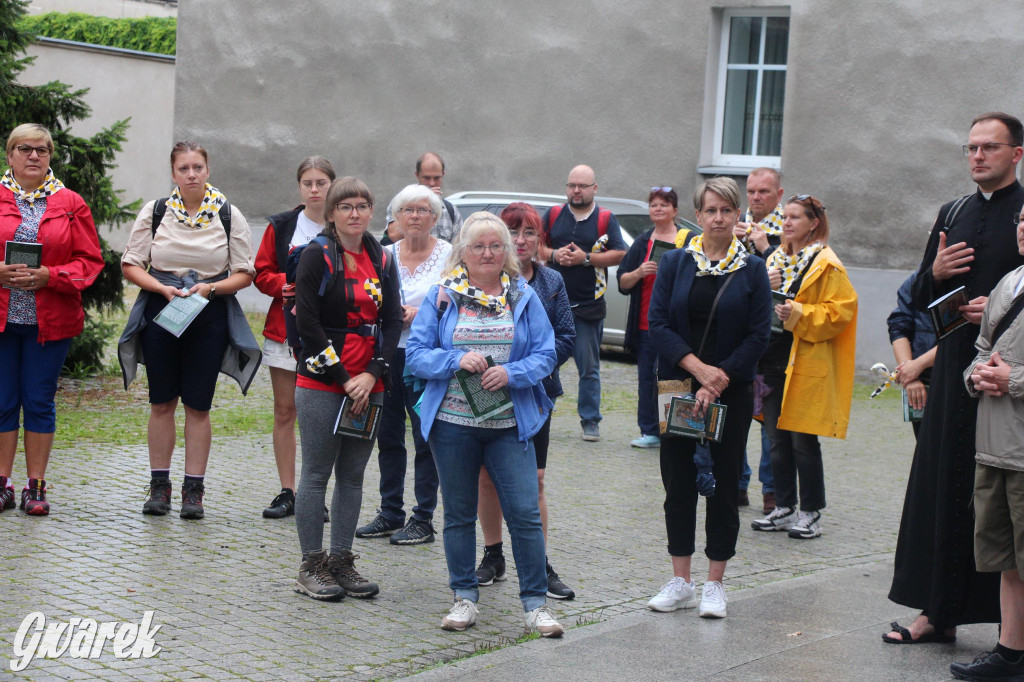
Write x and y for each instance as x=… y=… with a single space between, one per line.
x=744 y=40
x=738 y=122
x=776 y=42
x=769 y=127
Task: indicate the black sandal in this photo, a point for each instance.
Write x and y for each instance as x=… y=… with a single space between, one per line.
x=934 y=637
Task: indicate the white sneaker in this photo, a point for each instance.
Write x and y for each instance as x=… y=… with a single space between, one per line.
x=541 y=620
x=712 y=602
x=676 y=594
x=781 y=518
x=462 y=614
x=808 y=526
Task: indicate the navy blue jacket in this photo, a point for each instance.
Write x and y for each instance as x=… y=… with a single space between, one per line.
x=743 y=318
x=551 y=290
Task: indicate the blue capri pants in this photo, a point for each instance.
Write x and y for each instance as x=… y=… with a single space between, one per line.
x=30 y=371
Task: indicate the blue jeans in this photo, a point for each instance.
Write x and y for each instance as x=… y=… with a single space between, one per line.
x=30 y=371
x=392 y=457
x=647 y=377
x=459 y=452
x=587 y=354
x=764 y=470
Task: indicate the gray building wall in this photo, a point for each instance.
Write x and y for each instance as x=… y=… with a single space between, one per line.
x=879 y=98
x=121 y=85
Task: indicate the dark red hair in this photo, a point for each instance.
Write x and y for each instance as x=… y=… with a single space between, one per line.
x=520 y=215
x=665 y=194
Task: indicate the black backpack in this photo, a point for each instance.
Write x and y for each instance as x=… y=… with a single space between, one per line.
x=160 y=208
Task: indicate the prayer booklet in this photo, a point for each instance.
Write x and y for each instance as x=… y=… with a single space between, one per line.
x=909 y=413
x=778 y=298
x=659 y=249
x=946 y=315
x=179 y=312
x=484 y=403
x=363 y=425
x=28 y=253
x=684 y=419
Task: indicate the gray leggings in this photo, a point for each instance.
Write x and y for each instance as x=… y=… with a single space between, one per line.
x=323 y=451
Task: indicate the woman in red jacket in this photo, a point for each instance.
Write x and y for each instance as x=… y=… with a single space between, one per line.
x=40 y=307
x=286 y=231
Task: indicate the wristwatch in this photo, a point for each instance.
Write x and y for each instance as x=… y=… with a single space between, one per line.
x=586 y=259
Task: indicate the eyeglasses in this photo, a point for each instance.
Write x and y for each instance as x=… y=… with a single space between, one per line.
x=988 y=147
x=416 y=211
x=811 y=203
x=661 y=189
x=572 y=186
x=360 y=208
x=528 y=235
x=26 y=150
x=478 y=249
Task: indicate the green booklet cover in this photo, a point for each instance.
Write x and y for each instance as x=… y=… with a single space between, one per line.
x=363 y=425
x=684 y=419
x=28 y=253
x=178 y=314
x=779 y=298
x=909 y=413
x=485 y=404
x=659 y=249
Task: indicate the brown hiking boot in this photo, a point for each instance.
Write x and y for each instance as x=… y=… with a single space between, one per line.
x=315 y=580
x=159 y=502
x=342 y=567
x=192 y=500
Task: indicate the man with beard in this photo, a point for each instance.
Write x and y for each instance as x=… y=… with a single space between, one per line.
x=582 y=241
x=972 y=244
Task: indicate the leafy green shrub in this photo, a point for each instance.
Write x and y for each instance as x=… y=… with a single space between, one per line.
x=148 y=34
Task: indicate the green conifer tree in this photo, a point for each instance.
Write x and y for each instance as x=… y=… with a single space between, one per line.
x=82 y=164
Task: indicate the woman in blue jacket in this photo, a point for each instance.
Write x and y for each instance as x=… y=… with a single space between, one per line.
x=483 y=309
x=710 y=319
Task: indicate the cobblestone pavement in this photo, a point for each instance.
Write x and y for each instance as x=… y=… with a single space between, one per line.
x=221 y=588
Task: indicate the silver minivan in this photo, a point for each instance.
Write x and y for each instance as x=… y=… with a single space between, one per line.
x=631 y=214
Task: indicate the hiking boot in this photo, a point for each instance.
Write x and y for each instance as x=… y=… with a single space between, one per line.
x=282 y=506
x=315 y=579
x=781 y=518
x=462 y=614
x=808 y=525
x=159 y=502
x=492 y=567
x=541 y=620
x=556 y=588
x=33 y=498
x=591 y=432
x=646 y=442
x=676 y=594
x=416 y=532
x=768 y=503
x=712 y=602
x=743 y=499
x=6 y=494
x=990 y=665
x=378 y=528
x=342 y=567
x=192 y=500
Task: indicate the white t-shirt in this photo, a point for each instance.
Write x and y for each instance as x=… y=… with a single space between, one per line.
x=305 y=230
x=415 y=284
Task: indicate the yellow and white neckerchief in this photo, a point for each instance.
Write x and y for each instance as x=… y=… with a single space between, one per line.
x=212 y=201
x=458 y=281
x=318 y=364
x=600 y=274
x=793 y=266
x=51 y=185
x=771 y=224
x=734 y=257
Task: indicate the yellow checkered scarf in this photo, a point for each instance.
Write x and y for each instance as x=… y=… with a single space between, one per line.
x=793 y=266
x=458 y=281
x=51 y=185
x=212 y=201
x=734 y=257
x=772 y=225
x=600 y=274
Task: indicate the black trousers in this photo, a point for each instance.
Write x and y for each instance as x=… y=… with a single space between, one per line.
x=679 y=474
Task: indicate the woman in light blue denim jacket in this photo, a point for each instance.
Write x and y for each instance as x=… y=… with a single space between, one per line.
x=486 y=310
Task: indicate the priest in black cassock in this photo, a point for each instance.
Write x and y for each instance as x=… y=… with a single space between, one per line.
x=971 y=245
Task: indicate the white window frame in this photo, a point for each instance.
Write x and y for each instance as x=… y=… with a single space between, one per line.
x=741 y=160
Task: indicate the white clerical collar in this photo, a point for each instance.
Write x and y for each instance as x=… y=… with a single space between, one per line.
x=987 y=195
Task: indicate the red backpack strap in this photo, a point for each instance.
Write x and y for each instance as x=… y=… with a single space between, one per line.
x=604 y=216
x=553 y=214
